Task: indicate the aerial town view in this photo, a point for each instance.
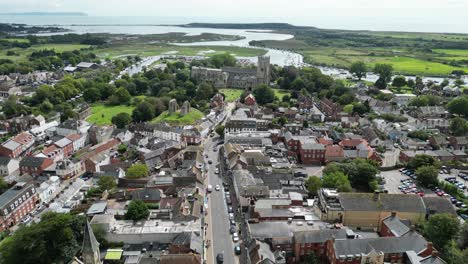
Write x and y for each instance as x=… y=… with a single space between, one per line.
x=234 y=132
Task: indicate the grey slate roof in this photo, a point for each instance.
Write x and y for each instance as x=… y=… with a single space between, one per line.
x=397 y=227
x=439 y=205
x=32 y=162
x=319 y=236
x=382 y=244
x=90 y=243
x=385 y=202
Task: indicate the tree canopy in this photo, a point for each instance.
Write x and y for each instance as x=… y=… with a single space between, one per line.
x=440 y=229
x=427 y=175
x=359 y=69
x=264 y=94
x=121 y=120
x=137 y=210
x=137 y=171
x=55 y=239
x=459 y=106
x=313 y=184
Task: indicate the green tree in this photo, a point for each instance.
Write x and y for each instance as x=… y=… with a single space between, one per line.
x=137 y=210
x=385 y=71
x=220 y=131
x=221 y=60
x=361 y=172
x=205 y=91
x=137 y=171
x=106 y=183
x=427 y=175
x=3 y=185
x=92 y=95
x=144 y=111
x=422 y=160
x=337 y=180
x=348 y=108
x=55 y=239
x=122 y=148
x=264 y=94
x=359 y=69
x=313 y=184
x=121 y=120
x=463 y=237
x=399 y=81
x=311 y=258
x=123 y=95
x=458 y=126
x=441 y=228
x=459 y=106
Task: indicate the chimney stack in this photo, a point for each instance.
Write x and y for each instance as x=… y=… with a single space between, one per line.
x=435 y=253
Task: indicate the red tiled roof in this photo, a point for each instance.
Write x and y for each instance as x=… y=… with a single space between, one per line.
x=74 y=137
x=352 y=142
x=325 y=142
x=49 y=149
x=334 y=151
x=23 y=138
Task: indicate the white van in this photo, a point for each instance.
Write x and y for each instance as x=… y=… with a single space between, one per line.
x=210 y=188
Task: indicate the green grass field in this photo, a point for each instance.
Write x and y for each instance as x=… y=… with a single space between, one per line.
x=231 y=94
x=102 y=114
x=178 y=119
x=281 y=93
x=159 y=49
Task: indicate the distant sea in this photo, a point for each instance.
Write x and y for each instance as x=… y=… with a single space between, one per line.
x=413 y=24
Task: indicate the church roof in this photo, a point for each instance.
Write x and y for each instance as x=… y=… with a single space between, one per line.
x=90 y=244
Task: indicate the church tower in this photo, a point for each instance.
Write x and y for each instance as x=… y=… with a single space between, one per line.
x=263 y=70
x=90 y=251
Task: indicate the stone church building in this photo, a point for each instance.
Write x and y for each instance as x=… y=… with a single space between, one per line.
x=235 y=77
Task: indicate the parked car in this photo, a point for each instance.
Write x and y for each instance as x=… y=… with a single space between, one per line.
x=26 y=219
x=232 y=229
x=464 y=216
x=235 y=237
x=228 y=200
x=217 y=188
x=219 y=258
x=237 y=250
x=231 y=216
x=230 y=210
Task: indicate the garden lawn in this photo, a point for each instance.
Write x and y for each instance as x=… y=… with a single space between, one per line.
x=178 y=119
x=231 y=94
x=102 y=114
x=281 y=93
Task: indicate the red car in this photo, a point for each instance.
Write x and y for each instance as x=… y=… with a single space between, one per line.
x=421 y=194
x=440 y=193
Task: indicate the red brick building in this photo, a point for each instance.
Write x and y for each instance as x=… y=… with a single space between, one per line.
x=17 y=145
x=305 y=148
x=66 y=145
x=16 y=203
x=34 y=166
x=316 y=241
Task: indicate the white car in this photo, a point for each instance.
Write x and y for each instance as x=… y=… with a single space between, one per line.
x=235 y=237
x=217 y=188
x=26 y=219
x=217 y=171
x=231 y=216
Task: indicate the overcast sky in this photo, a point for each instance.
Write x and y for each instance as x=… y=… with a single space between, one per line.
x=247 y=8
x=425 y=15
